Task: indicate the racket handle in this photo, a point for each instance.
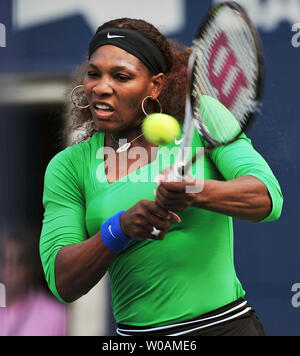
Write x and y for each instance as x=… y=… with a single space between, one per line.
x=176 y=174
x=180 y=169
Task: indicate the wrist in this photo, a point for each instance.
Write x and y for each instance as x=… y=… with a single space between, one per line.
x=112 y=234
x=206 y=196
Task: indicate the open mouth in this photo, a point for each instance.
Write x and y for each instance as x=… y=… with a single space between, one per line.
x=103 y=110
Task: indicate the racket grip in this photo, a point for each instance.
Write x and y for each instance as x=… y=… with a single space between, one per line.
x=180 y=169
x=176 y=174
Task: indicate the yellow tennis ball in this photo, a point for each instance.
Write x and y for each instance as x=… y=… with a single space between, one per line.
x=161 y=129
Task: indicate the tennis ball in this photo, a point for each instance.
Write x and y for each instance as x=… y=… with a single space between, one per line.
x=160 y=129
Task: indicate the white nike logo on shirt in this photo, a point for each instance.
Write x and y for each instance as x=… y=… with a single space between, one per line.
x=113 y=36
x=178 y=142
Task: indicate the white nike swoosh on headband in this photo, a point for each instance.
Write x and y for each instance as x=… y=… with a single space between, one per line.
x=113 y=36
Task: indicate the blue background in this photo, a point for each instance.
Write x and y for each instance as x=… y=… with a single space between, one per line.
x=267 y=254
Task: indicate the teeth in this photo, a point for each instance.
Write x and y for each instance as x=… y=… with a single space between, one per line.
x=102 y=107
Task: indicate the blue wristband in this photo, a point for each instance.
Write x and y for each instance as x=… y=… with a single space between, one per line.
x=112 y=234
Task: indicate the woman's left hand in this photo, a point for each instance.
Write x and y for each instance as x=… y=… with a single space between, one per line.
x=176 y=196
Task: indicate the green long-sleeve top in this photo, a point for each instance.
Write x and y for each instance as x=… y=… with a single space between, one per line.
x=187 y=274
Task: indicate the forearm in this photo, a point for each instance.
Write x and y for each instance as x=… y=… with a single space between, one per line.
x=80 y=267
x=245 y=198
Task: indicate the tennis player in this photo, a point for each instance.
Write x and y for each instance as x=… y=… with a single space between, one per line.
x=171 y=274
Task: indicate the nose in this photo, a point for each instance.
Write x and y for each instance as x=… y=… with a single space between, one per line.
x=102 y=87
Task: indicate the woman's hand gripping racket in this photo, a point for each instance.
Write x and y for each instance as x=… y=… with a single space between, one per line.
x=225 y=73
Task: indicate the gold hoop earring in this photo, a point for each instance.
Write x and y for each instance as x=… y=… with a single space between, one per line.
x=143 y=102
x=77 y=100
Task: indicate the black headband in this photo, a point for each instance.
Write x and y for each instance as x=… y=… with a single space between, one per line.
x=133 y=42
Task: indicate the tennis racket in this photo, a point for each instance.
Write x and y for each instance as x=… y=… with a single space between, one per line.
x=225 y=72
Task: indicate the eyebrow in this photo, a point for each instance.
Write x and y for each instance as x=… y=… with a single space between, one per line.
x=116 y=68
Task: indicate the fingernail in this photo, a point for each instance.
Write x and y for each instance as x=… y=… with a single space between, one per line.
x=174 y=216
x=178 y=218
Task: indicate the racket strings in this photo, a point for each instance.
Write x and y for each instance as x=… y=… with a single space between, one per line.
x=240 y=38
x=241 y=43
x=221 y=132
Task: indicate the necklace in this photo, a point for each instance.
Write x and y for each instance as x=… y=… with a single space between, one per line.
x=123 y=144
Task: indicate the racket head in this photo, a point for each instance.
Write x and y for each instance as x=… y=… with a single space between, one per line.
x=228 y=67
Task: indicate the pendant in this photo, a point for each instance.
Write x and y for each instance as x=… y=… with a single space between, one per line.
x=124 y=147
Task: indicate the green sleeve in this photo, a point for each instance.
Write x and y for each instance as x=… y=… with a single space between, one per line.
x=64 y=216
x=240 y=158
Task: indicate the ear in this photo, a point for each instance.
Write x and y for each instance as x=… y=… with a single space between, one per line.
x=157 y=85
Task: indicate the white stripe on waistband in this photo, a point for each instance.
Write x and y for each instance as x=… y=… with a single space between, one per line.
x=210 y=324
x=120 y=330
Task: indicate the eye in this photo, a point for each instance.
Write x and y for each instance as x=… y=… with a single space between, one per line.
x=92 y=74
x=122 y=77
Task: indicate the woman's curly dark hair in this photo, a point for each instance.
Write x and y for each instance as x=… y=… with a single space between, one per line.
x=172 y=96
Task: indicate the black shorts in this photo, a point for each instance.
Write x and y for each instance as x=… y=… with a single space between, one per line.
x=234 y=319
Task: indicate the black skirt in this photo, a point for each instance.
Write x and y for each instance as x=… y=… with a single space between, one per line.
x=234 y=319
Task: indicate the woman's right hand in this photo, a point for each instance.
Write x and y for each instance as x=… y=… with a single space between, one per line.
x=138 y=221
